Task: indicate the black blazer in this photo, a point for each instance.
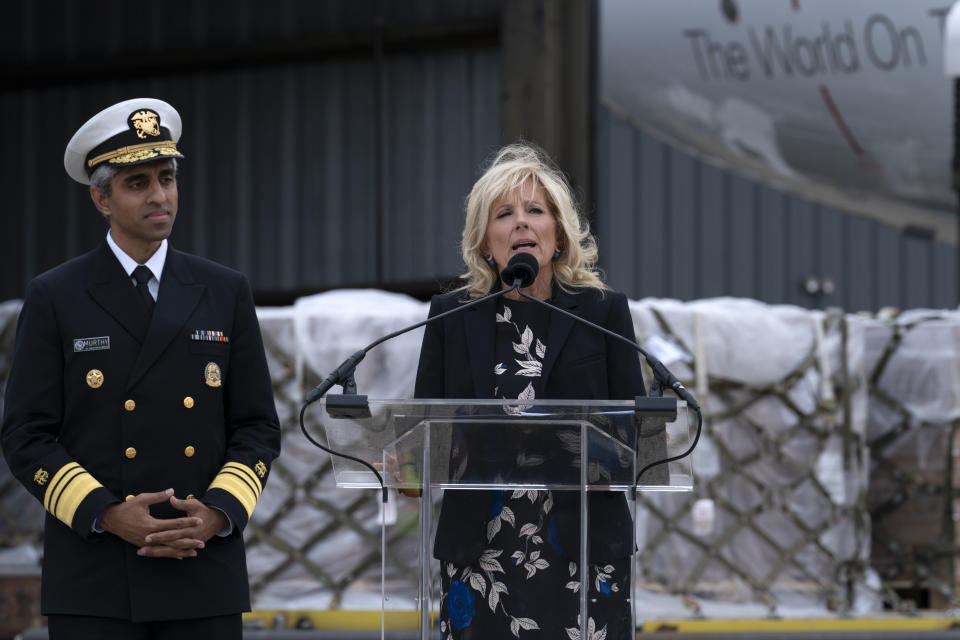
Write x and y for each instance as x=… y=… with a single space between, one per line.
x=155 y=419
x=456 y=361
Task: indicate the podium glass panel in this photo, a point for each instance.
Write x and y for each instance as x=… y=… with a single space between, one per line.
x=517 y=500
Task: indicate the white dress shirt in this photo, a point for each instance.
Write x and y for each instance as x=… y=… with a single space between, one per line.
x=155 y=264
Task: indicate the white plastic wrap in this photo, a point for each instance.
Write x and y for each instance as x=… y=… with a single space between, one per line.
x=784 y=473
x=329 y=327
x=301 y=503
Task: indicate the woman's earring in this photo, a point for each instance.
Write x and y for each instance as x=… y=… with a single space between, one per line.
x=556 y=253
x=490 y=260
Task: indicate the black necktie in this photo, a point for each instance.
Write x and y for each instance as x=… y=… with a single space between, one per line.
x=142 y=275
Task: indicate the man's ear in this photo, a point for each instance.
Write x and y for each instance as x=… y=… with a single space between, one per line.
x=100 y=201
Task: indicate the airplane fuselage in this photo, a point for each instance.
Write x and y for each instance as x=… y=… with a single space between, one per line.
x=846 y=98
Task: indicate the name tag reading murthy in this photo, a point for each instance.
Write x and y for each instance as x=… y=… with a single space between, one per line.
x=100 y=343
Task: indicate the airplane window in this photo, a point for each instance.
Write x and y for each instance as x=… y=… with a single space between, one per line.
x=729 y=10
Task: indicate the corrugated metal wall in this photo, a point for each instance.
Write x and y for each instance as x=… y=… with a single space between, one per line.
x=281 y=130
x=332 y=143
x=672 y=226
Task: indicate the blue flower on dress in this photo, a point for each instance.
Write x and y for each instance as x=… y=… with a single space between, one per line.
x=460 y=604
x=496 y=504
x=553 y=537
x=604 y=586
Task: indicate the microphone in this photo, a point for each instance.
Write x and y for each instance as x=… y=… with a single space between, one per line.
x=521 y=271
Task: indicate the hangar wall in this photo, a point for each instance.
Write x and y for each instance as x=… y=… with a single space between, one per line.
x=331 y=144
x=327 y=143
x=672 y=225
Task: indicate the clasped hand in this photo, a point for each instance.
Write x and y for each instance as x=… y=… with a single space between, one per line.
x=169 y=538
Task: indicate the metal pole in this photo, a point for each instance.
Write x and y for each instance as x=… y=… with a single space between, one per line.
x=956 y=172
x=378 y=146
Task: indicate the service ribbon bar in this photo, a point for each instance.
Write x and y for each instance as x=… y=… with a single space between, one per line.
x=209 y=336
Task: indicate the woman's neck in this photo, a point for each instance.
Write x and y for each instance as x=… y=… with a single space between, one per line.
x=541 y=289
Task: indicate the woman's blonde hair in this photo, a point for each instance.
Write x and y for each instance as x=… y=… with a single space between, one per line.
x=512 y=167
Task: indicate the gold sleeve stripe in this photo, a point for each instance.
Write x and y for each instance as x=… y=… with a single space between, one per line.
x=238 y=488
x=57 y=484
x=70 y=485
x=73 y=495
x=248 y=474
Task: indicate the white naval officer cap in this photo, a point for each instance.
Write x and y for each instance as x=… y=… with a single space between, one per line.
x=130 y=132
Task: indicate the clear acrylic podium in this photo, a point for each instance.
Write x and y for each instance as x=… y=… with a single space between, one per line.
x=445 y=449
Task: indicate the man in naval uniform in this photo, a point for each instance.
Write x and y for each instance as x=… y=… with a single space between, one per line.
x=139 y=409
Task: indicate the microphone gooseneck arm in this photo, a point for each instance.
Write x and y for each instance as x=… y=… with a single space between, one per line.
x=343 y=374
x=520 y=272
x=660 y=372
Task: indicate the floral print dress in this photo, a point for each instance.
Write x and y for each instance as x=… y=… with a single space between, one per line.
x=525 y=584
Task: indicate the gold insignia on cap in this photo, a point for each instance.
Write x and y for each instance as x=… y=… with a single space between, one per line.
x=95 y=378
x=160 y=149
x=41 y=477
x=260 y=468
x=133 y=153
x=145 y=123
x=211 y=374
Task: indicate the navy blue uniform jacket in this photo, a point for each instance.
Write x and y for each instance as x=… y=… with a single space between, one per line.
x=154 y=418
x=456 y=361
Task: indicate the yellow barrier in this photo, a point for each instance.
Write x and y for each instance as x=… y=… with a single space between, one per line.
x=369 y=620
x=340 y=620
x=892 y=623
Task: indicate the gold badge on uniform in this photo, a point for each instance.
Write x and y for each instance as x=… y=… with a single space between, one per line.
x=95 y=378
x=41 y=477
x=145 y=122
x=260 y=468
x=211 y=373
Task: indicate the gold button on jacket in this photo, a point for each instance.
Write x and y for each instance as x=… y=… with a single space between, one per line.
x=189 y=451
x=129 y=497
x=129 y=405
x=130 y=452
x=95 y=378
x=188 y=402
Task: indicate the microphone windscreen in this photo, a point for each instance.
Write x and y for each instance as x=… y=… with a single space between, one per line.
x=522 y=266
